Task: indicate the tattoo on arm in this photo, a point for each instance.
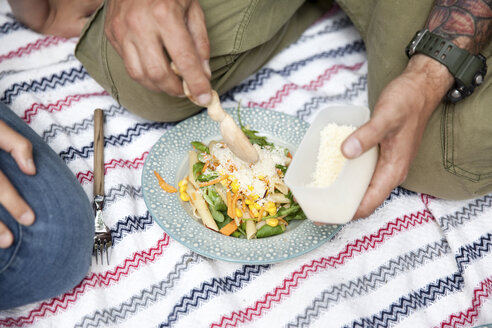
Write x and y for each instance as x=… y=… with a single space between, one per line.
x=467 y=23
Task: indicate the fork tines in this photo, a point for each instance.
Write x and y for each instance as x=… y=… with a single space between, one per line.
x=102 y=245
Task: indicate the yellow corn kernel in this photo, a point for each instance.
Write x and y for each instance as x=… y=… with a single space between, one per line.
x=251 y=188
x=248 y=201
x=254 y=211
x=224 y=182
x=255 y=196
x=261 y=177
x=183 y=182
x=272 y=211
x=239 y=213
x=272 y=222
x=184 y=196
x=234 y=187
x=257 y=206
x=269 y=205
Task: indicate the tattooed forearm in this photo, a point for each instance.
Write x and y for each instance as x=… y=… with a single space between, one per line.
x=467 y=23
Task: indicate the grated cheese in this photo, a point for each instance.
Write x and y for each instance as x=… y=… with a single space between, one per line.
x=252 y=179
x=330 y=159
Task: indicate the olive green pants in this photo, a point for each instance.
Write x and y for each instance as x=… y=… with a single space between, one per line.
x=455 y=158
x=243 y=35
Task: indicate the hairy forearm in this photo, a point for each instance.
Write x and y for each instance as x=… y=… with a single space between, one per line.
x=32 y=13
x=466 y=23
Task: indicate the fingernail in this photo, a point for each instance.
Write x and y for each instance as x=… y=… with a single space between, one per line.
x=27 y=218
x=5 y=239
x=352 y=148
x=206 y=67
x=204 y=99
x=29 y=163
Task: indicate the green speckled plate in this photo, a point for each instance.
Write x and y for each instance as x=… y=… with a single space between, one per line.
x=169 y=157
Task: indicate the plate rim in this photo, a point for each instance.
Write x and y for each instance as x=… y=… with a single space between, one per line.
x=177 y=237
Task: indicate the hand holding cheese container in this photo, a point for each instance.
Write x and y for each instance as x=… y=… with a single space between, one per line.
x=337 y=202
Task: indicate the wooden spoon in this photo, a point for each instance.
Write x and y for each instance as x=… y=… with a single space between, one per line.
x=232 y=134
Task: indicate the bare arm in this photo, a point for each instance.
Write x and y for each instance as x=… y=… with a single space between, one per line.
x=64 y=18
x=32 y=13
x=406 y=104
x=466 y=23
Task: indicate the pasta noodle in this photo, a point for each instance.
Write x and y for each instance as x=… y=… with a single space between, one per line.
x=224 y=191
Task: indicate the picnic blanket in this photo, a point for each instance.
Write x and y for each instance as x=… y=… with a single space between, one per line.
x=417 y=261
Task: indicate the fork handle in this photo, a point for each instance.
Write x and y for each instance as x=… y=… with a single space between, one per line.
x=98 y=152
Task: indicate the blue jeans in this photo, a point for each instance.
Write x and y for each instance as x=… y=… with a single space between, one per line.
x=54 y=254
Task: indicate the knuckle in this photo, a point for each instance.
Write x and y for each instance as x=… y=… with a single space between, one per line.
x=187 y=60
x=156 y=73
x=173 y=89
x=161 y=11
x=134 y=21
x=134 y=73
x=203 y=44
x=22 y=145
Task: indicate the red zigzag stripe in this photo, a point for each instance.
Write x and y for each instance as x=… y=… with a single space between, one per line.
x=312 y=86
x=91 y=281
x=352 y=249
x=466 y=318
x=59 y=105
x=88 y=176
x=33 y=46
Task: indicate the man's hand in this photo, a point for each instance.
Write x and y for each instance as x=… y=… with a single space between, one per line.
x=64 y=18
x=397 y=125
x=21 y=150
x=148 y=34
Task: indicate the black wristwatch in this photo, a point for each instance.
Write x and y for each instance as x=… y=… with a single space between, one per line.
x=468 y=70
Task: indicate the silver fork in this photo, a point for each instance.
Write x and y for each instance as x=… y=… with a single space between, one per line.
x=102 y=238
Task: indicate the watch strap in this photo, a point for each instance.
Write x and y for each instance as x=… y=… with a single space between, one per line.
x=468 y=70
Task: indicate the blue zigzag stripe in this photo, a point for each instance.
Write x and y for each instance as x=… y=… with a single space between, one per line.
x=51 y=82
x=336 y=26
x=121 y=191
x=371 y=281
x=77 y=127
x=399 y=192
x=72 y=153
x=8 y=72
x=265 y=73
x=348 y=94
x=131 y=224
x=472 y=252
x=144 y=299
x=474 y=208
x=212 y=288
x=429 y=294
x=8 y=27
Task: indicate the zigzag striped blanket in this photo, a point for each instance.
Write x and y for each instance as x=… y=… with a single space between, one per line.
x=416 y=262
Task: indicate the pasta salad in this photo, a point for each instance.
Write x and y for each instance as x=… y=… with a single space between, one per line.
x=236 y=198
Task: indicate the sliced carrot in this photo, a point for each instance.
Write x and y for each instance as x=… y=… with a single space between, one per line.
x=229 y=228
x=214 y=181
x=233 y=205
x=251 y=213
x=262 y=210
x=163 y=184
x=283 y=221
x=207 y=163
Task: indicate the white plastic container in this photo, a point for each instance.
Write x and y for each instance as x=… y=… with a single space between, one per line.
x=337 y=203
